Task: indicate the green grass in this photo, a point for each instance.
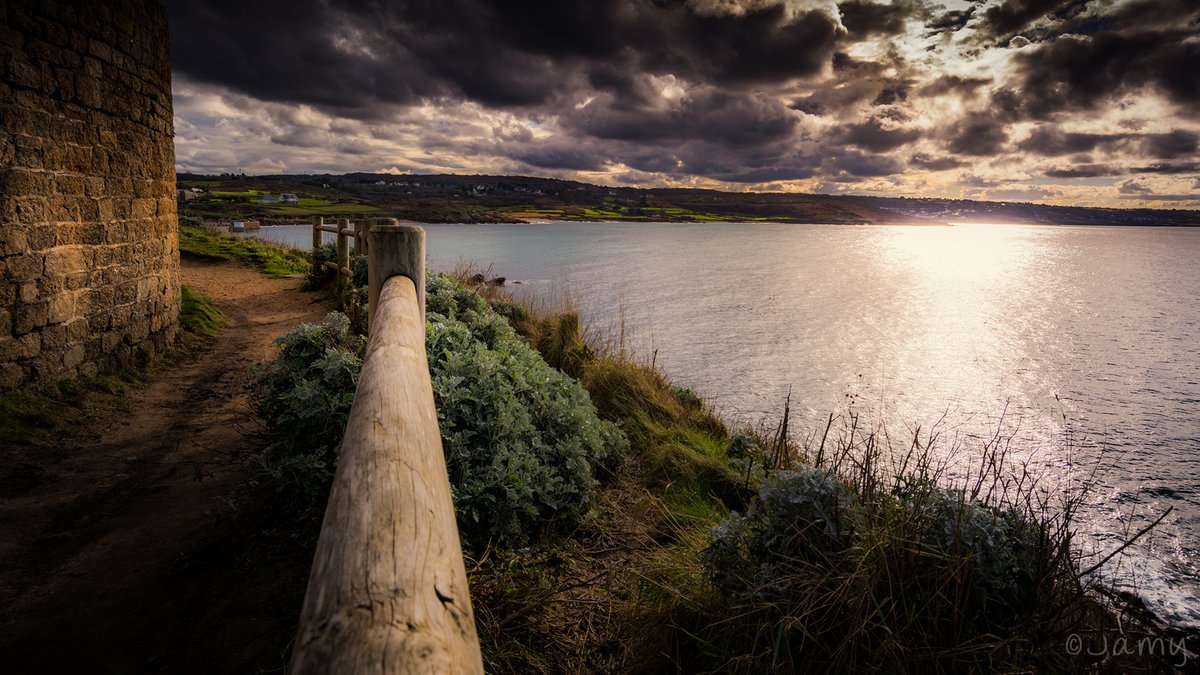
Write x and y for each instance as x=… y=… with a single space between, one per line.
x=247 y=194
x=318 y=209
x=198 y=314
x=274 y=260
x=37 y=421
x=204 y=184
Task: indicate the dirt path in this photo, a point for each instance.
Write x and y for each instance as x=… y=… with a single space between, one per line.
x=114 y=561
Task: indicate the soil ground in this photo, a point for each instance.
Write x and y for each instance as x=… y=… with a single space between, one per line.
x=117 y=553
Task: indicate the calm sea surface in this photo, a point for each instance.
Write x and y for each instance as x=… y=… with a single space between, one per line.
x=1075 y=342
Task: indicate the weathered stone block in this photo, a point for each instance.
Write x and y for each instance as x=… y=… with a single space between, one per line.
x=73 y=356
x=55 y=337
x=27 y=291
x=61 y=307
x=30 y=210
x=20 y=181
x=47 y=366
x=42 y=236
x=26 y=266
x=24 y=347
x=30 y=316
x=94 y=185
x=64 y=260
x=12 y=239
x=99 y=321
x=143 y=207
x=67 y=184
x=11 y=375
x=100 y=50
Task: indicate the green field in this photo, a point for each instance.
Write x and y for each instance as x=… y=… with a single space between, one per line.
x=318 y=208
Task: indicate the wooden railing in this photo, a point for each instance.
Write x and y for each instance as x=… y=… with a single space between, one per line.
x=345 y=230
x=388 y=589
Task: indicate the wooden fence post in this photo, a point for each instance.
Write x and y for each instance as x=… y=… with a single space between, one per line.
x=395 y=250
x=318 y=237
x=343 y=257
x=361 y=226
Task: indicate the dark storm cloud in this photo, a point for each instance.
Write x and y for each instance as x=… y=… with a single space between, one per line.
x=866 y=19
x=728 y=90
x=1050 y=141
x=1099 y=57
x=1012 y=16
x=1163 y=198
x=771 y=174
x=1083 y=171
x=1133 y=186
x=851 y=166
x=709 y=114
x=963 y=86
x=930 y=163
x=1172 y=145
x=872 y=135
x=977 y=134
x=891 y=95
x=950 y=22
x=560 y=155
x=883 y=82
x=520 y=53
x=1168 y=168
x=224 y=43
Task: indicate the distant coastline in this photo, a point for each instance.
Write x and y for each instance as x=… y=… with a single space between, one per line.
x=452 y=198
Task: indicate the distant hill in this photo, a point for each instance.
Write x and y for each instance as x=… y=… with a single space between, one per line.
x=470 y=198
x=966 y=210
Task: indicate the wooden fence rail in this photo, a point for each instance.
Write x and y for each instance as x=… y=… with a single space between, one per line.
x=388 y=590
x=347 y=233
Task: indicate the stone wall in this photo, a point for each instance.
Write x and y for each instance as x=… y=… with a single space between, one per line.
x=89 y=248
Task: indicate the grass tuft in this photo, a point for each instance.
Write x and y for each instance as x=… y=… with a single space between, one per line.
x=198 y=314
x=271 y=258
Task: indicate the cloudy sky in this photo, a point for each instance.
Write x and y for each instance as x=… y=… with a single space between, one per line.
x=1057 y=101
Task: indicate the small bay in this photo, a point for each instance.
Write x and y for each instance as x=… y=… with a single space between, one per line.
x=1080 y=344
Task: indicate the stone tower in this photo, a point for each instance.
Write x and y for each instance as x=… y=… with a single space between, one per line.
x=89 y=248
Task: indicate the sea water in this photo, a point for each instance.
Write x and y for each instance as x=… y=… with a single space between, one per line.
x=1077 y=345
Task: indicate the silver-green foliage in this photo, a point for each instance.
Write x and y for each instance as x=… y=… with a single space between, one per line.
x=1006 y=551
x=812 y=520
x=802 y=517
x=305 y=396
x=521 y=439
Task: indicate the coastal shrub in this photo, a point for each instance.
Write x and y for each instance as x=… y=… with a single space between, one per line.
x=305 y=397
x=318 y=276
x=840 y=570
x=801 y=518
x=1006 y=552
x=521 y=439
